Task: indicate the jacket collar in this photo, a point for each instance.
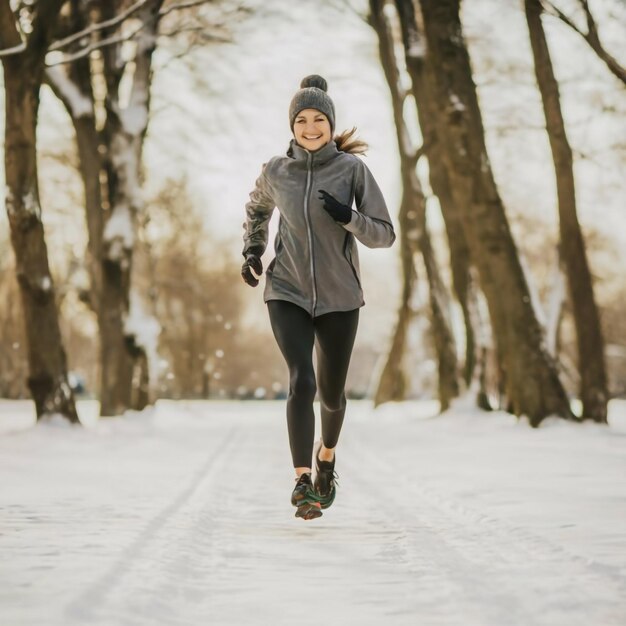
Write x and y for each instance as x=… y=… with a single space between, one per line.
x=324 y=154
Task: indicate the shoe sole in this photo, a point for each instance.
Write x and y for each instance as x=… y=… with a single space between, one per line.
x=310 y=498
x=309 y=511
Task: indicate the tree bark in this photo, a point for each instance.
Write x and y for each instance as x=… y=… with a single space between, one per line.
x=72 y=84
x=110 y=166
x=556 y=303
x=593 y=386
x=460 y=262
x=123 y=133
x=414 y=237
x=533 y=385
x=23 y=75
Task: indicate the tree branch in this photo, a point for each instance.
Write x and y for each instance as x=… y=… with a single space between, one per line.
x=118 y=19
x=114 y=39
x=181 y=5
x=9 y=33
x=591 y=36
x=103 y=43
x=7 y=52
x=553 y=10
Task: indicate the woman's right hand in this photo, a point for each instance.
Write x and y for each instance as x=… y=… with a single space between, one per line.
x=252 y=262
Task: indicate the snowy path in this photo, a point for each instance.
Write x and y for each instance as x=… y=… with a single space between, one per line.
x=183 y=517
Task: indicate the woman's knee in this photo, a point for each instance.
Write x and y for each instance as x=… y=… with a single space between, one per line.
x=333 y=401
x=303 y=385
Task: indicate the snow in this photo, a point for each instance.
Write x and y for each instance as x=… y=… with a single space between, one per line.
x=29 y=202
x=45 y=283
x=456 y=104
x=145 y=329
x=119 y=232
x=79 y=104
x=557 y=298
x=134 y=119
x=180 y=515
x=9 y=200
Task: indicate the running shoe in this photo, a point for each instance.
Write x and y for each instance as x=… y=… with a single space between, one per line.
x=304 y=499
x=325 y=479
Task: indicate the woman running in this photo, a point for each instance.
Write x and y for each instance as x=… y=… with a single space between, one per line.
x=313 y=287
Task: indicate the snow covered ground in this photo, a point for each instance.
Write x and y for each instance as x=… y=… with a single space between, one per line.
x=180 y=515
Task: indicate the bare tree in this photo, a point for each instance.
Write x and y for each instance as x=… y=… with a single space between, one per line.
x=532 y=383
x=109 y=150
x=423 y=90
x=414 y=238
x=23 y=63
x=592 y=36
x=94 y=40
x=593 y=386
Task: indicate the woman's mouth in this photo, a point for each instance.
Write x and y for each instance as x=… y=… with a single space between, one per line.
x=312 y=138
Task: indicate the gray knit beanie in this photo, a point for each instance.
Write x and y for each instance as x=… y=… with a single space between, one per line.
x=312 y=95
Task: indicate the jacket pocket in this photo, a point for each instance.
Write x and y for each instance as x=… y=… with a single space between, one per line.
x=278 y=248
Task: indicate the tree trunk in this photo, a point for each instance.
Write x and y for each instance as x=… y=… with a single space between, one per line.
x=556 y=302
x=414 y=236
x=23 y=74
x=141 y=386
x=460 y=262
x=593 y=389
x=110 y=251
x=533 y=385
x=392 y=385
x=123 y=134
x=108 y=295
x=72 y=84
x=445 y=345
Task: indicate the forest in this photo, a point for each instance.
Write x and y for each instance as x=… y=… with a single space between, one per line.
x=134 y=130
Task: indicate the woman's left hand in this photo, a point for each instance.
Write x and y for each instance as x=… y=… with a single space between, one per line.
x=339 y=212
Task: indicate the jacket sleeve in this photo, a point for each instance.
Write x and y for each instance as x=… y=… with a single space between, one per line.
x=259 y=210
x=370 y=223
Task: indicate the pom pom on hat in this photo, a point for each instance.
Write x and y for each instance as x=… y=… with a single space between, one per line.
x=314 y=80
x=312 y=95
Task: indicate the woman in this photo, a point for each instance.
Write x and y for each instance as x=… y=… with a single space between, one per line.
x=313 y=288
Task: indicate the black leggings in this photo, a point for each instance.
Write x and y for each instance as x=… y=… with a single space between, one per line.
x=333 y=334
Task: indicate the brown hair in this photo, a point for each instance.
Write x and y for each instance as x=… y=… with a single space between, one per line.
x=345 y=143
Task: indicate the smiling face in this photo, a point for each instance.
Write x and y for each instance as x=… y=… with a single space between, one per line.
x=311 y=129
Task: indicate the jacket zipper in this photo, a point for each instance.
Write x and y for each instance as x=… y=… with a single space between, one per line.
x=307 y=215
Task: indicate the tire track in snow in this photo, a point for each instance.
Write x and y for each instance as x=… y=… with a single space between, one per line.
x=235 y=554
x=228 y=550
x=516 y=576
x=289 y=571
x=86 y=608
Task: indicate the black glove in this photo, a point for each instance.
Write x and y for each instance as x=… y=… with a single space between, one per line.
x=339 y=212
x=252 y=261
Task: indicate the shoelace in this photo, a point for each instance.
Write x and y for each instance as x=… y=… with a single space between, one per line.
x=333 y=474
x=320 y=468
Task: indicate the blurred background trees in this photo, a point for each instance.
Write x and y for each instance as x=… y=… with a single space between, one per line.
x=158 y=101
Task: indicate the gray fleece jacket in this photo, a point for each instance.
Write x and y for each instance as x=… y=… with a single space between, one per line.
x=316 y=264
